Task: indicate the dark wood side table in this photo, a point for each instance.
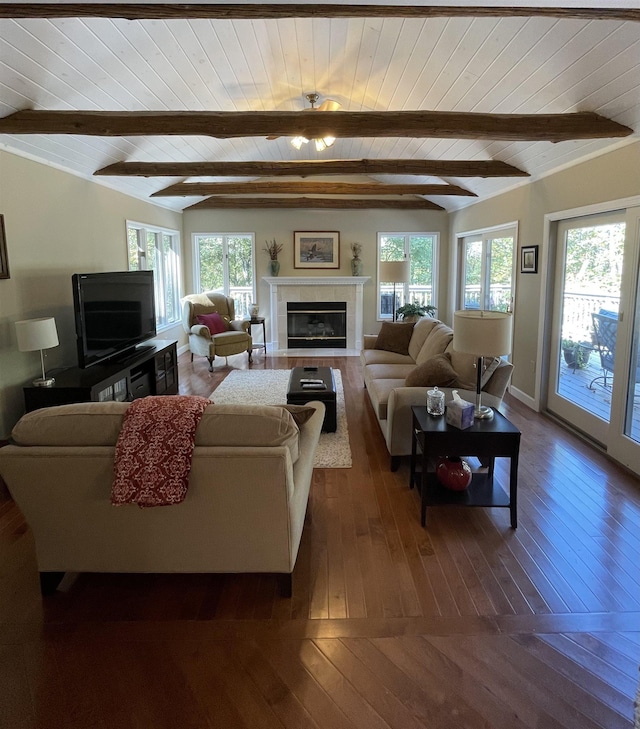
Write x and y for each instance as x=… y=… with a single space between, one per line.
x=432 y=437
x=256 y=321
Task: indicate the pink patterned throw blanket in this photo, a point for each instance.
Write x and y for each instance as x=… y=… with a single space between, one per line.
x=154 y=449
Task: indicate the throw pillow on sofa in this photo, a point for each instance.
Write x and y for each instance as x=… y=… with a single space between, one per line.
x=395 y=337
x=215 y=323
x=300 y=413
x=437 y=370
x=437 y=341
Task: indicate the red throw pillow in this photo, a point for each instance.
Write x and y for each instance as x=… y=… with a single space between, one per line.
x=214 y=321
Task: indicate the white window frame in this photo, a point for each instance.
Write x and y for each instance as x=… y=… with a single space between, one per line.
x=404 y=289
x=225 y=252
x=485 y=236
x=167 y=270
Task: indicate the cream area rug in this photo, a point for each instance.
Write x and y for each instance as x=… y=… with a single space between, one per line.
x=269 y=387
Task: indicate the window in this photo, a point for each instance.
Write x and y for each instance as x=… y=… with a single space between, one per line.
x=421 y=250
x=487 y=269
x=158 y=250
x=225 y=262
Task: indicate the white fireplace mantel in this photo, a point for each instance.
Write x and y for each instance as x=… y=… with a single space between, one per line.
x=316 y=280
x=316 y=288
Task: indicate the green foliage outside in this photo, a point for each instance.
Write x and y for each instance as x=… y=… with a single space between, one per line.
x=240 y=262
x=132 y=241
x=211 y=263
x=226 y=266
x=500 y=275
x=211 y=251
x=594 y=259
x=420 y=253
x=592 y=274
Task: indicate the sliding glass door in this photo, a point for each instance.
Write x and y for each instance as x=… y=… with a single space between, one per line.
x=624 y=444
x=593 y=367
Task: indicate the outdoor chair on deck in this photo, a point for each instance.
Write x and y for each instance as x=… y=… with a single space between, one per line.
x=605 y=327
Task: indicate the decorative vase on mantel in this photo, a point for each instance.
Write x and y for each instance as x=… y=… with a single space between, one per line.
x=356 y=261
x=272 y=247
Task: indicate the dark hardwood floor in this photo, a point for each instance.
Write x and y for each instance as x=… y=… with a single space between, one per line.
x=464 y=624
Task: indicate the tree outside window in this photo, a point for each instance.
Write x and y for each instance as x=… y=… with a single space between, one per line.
x=487 y=270
x=225 y=262
x=421 y=250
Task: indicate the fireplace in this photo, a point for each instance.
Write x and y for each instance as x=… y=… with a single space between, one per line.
x=298 y=289
x=317 y=324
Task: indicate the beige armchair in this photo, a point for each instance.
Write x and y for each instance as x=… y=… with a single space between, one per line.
x=235 y=340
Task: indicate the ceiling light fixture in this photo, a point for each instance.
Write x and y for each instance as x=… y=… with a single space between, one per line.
x=321 y=142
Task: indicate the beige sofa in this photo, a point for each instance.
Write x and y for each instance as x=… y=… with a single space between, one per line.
x=385 y=372
x=244 y=510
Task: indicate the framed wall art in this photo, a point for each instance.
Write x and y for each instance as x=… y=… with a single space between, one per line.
x=529 y=259
x=4 y=260
x=316 y=249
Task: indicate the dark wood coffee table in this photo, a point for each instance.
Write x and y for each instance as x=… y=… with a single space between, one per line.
x=432 y=437
x=298 y=395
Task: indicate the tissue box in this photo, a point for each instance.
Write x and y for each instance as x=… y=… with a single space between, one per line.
x=460 y=414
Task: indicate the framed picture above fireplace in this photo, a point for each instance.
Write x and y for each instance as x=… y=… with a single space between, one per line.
x=316 y=249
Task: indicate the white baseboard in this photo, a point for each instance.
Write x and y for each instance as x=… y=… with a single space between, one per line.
x=524 y=398
x=312 y=352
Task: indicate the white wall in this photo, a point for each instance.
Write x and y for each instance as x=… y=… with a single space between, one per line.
x=56 y=224
x=360 y=226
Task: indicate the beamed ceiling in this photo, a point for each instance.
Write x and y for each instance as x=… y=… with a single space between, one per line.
x=441 y=105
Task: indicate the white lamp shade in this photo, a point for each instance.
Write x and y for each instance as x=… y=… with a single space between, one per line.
x=394 y=271
x=36 y=334
x=483 y=333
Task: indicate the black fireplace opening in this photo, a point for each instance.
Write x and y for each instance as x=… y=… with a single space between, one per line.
x=317 y=324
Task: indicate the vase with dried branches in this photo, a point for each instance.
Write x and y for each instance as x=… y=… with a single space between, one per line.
x=273 y=248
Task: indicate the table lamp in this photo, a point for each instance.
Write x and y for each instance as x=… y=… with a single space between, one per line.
x=394 y=272
x=34 y=334
x=484 y=334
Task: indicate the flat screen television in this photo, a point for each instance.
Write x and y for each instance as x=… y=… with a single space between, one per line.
x=114 y=312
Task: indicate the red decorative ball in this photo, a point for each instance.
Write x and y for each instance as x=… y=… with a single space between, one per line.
x=454 y=473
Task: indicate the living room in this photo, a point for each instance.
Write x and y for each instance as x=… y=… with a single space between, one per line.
x=81 y=227
x=466 y=622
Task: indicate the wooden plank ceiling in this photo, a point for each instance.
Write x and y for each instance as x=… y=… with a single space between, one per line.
x=439 y=105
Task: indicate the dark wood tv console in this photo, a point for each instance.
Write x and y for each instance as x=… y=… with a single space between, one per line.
x=151 y=370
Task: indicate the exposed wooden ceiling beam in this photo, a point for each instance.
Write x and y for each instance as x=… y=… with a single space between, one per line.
x=172 y=11
x=344 y=124
x=305 y=168
x=306 y=188
x=313 y=202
